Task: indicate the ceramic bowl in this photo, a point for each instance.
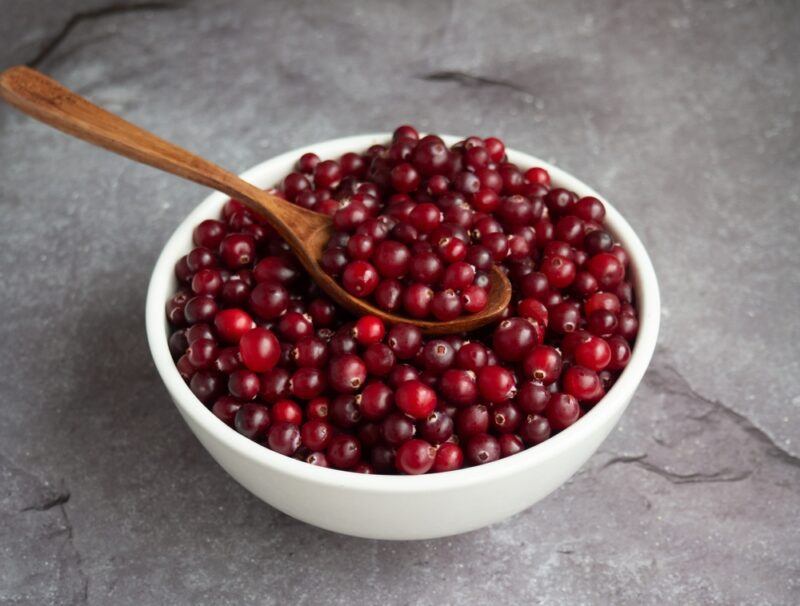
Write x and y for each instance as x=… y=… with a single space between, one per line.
x=400 y=507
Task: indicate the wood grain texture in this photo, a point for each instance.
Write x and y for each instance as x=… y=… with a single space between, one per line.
x=305 y=231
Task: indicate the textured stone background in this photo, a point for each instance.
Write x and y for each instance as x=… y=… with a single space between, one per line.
x=685 y=114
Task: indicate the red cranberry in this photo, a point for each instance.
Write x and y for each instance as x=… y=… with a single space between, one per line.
x=379 y=359
x=415 y=457
x=449 y=457
x=562 y=411
x=231 y=324
x=225 y=409
x=397 y=428
x=459 y=387
x=347 y=373
x=259 y=349
x=344 y=412
x=375 y=401
x=437 y=427
x=243 y=384
x=535 y=429
x=360 y=278
x=510 y=444
x=543 y=364
x=513 y=338
x=316 y=434
x=343 y=452
x=308 y=383
x=202 y=353
x=283 y=438
x=620 y=353
x=472 y=420
x=415 y=399
x=252 y=420
x=496 y=384
x=482 y=448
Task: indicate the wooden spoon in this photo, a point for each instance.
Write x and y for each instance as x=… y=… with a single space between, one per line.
x=306 y=232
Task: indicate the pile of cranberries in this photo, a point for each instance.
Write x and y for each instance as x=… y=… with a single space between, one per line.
x=419 y=227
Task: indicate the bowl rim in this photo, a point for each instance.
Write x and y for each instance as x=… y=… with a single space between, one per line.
x=614 y=402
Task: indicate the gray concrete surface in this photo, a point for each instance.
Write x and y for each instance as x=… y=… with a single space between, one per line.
x=685 y=114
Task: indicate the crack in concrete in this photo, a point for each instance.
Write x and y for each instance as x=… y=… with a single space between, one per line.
x=470 y=80
x=667 y=385
x=54 y=501
x=724 y=475
x=104 y=11
x=84 y=595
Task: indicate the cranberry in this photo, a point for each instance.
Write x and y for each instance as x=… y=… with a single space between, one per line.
x=243 y=384
x=472 y=420
x=535 y=429
x=343 y=452
x=310 y=352
x=496 y=384
x=347 y=373
x=202 y=353
x=449 y=457
x=231 y=324
x=375 y=401
x=397 y=428
x=379 y=359
x=344 y=412
x=606 y=268
x=513 y=338
x=225 y=409
x=459 y=387
x=316 y=434
x=474 y=298
x=360 y=278
x=415 y=399
x=284 y=438
x=543 y=364
x=510 y=444
x=308 y=383
x=437 y=427
x=415 y=457
x=620 y=353
x=391 y=259
x=404 y=340
x=594 y=353
x=482 y=448
x=259 y=349
x=252 y=420
x=562 y=411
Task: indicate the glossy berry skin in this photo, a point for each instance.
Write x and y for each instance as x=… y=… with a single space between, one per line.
x=543 y=364
x=231 y=324
x=482 y=448
x=515 y=337
x=284 y=438
x=343 y=452
x=562 y=411
x=496 y=384
x=535 y=429
x=376 y=400
x=415 y=399
x=369 y=330
x=581 y=383
x=260 y=349
x=252 y=420
x=594 y=353
x=449 y=457
x=347 y=373
x=415 y=457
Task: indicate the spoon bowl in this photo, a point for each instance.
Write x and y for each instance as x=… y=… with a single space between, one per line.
x=306 y=232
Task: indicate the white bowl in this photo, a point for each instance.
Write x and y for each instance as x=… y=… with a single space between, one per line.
x=400 y=507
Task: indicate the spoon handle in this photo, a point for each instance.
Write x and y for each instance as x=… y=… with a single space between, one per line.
x=48 y=101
